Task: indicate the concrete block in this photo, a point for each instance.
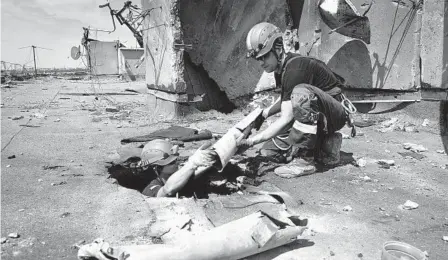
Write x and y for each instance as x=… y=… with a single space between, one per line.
x=433 y=52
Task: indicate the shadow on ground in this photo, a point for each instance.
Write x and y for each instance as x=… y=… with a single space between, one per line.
x=275 y=252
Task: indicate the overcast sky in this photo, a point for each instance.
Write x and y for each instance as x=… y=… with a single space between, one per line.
x=56 y=25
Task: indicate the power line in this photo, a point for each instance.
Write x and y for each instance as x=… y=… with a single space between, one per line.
x=34 y=55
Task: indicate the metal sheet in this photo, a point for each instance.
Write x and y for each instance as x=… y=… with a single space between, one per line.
x=343 y=15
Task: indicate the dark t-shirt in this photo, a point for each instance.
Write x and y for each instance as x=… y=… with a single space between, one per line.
x=194 y=186
x=300 y=69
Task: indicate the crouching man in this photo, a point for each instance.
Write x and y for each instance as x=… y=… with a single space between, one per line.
x=310 y=106
x=171 y=176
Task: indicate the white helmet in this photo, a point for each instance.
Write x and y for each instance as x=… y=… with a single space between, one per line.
x=260 y=39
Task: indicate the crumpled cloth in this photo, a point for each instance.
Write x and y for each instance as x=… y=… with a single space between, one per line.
x=174 y=132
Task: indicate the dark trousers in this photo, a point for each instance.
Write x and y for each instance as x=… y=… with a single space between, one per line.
x=313 y=108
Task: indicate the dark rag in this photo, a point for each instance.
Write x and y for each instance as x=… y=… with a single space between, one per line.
x=177 y=133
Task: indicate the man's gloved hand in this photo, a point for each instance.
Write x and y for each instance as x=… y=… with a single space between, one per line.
x=202 y=157
x=245 y=144
x=259 y=121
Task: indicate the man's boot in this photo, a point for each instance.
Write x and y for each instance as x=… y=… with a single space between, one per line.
x=330 y=150
x=296 y=168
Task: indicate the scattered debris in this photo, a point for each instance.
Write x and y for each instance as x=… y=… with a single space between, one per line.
x=414 y=147
x=409 y=205
x=425 y=122
x=65 y=214
x=51 y=167
x=58 y=183
x=39 y=115
x=347 y=208
x=30 y=125
x=17 y=117
x=13 y=235
x=366 y=178
x=410 y=129
x=112 y=109
x=386 y=164
x=406 y=127
x=361 y=162
x=412 y=155
x=11 y=157
x=3 y=240
x=388 y=125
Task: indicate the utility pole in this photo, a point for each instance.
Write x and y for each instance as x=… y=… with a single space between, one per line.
x=34 y=55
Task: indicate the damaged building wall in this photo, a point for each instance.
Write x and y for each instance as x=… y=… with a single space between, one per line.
x=129 y=63
x=104 y=57
x=218 y=35
x=445 y=48
x=434 y=39
x=404 y=45
x=388 y=46
x=377 y=55
x=215 y=65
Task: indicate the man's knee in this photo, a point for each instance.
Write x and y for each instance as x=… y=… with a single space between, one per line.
x=301 y=95
x=305 y=105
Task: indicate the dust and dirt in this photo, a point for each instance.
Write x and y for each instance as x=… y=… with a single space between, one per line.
x=73 y=151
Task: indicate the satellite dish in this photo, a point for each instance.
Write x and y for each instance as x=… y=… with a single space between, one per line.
x=75 y=52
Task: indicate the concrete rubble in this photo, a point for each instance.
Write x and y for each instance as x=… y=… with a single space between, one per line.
x=414 y=147
x=409 y=205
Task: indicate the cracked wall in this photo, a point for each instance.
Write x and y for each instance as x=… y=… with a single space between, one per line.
x=404 y=46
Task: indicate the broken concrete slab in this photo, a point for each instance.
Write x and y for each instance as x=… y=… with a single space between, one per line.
x=250 y=235
x=409 y=205
x=414 y=147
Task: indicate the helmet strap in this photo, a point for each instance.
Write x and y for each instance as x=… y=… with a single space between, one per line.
x=280 y=59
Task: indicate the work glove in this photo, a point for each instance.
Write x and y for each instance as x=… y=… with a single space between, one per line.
x=259 y=121
x=245 y=144
x=202 y=157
